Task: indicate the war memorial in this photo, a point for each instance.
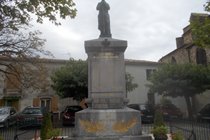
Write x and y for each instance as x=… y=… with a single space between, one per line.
x=107 y=117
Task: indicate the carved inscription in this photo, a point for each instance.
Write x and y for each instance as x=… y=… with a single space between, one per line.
x=107 y=55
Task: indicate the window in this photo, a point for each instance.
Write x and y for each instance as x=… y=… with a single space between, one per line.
x=8 y=103
x=151 y=98
x=201 y=56
x=45 y=103
x=149 y=72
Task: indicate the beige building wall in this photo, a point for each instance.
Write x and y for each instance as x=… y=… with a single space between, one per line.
x=31 y=97
x=138 y=69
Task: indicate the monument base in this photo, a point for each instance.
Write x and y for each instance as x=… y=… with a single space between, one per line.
x=142 y=137
x=109 y=124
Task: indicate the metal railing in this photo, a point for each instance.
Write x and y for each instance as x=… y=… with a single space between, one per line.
x=191 y=130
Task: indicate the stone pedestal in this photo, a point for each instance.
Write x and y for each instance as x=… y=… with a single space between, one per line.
x=107 y=117
x=108 y=122
x=106 y=73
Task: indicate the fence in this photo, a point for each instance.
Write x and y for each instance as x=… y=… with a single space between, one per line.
x=192 y=130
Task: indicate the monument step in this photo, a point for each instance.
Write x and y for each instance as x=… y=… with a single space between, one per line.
x=141 y=137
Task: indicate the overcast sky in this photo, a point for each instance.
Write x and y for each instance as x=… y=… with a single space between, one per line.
x=149 y=26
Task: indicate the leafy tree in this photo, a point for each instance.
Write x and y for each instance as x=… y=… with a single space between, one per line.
x=19 y=46
x=71 y=80
x=185 y=80
x=207 y=6
x=201 y=29
x=130 y=85
x=18 y=12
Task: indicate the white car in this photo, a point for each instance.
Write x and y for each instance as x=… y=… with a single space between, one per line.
x=7 y=116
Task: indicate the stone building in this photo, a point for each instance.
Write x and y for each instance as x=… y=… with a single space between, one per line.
x=187 y=52
x=14 y=95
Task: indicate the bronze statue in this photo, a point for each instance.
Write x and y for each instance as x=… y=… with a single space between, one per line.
x=103 y=19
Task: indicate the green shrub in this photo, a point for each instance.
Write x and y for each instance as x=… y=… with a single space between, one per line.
x=46 y=127
x=53 y=133
x=158 y=120
x=47 y=130
x=177 y=136
x=160 y=130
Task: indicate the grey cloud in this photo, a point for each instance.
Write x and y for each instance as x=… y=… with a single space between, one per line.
x=150 y=27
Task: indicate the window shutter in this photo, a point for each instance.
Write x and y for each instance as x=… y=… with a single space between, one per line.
x=1 y=102
x=54 y=104
x=36 y=102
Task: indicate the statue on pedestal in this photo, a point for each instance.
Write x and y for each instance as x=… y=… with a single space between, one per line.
x=103 y=19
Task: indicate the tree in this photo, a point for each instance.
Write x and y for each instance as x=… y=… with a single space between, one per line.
x=71 y=80
x=19 y=54
x=20 y=47
x=18 y=12
x=20 y=51
x=207 y=6
x=130 y=85
x=184 y=80
x=200 y=26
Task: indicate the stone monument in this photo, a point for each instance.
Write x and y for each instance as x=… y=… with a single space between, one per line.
x=107 y=117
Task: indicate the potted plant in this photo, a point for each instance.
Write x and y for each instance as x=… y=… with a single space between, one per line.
x=160 y=133
x=159 y=130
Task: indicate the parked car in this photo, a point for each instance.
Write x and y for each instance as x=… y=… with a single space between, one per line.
x=170 y=111
x=147 y=113
x=68 y=115
x=204 y=114
x=30 y=116
x=7 y=116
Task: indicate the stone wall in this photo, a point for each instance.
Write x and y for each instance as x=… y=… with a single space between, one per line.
x=187 y=53
x=180 y=55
